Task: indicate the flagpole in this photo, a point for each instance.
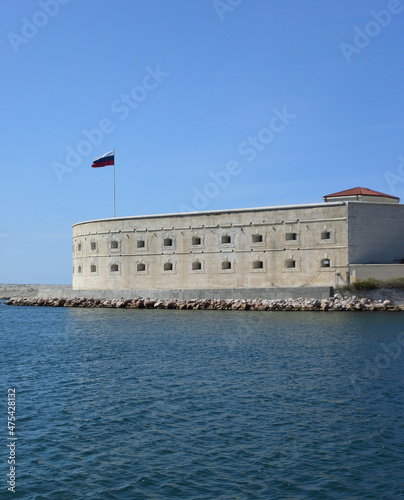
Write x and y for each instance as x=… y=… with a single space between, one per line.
x=114 y=183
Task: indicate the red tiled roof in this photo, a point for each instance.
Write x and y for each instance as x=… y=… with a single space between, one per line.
x=360 y=191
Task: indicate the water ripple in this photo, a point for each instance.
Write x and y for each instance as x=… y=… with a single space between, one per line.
x=187 y=404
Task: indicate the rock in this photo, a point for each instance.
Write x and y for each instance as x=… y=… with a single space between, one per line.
x=336 y=303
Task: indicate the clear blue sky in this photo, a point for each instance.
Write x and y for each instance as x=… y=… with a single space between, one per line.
x=297 y=98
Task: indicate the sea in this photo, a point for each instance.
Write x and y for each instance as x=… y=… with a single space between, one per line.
x=168 y=404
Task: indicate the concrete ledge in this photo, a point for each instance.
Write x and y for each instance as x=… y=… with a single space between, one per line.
x=66 y=291
x=32 y=291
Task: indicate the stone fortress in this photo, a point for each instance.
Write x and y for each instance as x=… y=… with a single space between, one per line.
x=352 y=235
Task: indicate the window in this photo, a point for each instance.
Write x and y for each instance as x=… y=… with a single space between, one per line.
x=168 y=242
x=326 y=235
x=290 y=264
x=196 y=240
x=257 y=238
x=93 y=268
x=141 y=267
x=168 y=266
x=325 y=263
x=226 y=265
x=196 y=266
x=140 y=244
x=93 y=245
x=114 y=244
x=291 y=236
x=226 y=239
x=79 y=269
x=258 y=264
x=79 y=247
x=114 y=268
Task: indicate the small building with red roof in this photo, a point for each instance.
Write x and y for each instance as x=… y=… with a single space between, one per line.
x=361 y=194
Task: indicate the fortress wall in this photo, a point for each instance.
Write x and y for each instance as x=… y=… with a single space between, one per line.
x=249 y=248
x=375 y=233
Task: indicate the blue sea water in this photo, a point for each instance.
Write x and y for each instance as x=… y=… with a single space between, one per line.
x=139 y=404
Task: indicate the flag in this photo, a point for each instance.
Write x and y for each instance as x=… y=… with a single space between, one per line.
x=104 y=161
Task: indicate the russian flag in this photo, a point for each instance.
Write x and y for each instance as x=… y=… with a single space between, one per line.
x=105 y=160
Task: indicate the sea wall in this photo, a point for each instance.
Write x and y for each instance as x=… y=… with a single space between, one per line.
x=66 y=291
x=34 y=291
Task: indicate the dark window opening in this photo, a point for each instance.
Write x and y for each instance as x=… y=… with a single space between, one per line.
x=258 y=264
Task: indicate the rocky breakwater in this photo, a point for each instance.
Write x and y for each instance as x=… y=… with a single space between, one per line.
x=336 y=303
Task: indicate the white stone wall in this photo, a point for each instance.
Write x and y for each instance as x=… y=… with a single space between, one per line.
x=106 y=253
x=376 y=233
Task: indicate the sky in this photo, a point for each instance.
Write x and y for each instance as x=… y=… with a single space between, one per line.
x=209 y=105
